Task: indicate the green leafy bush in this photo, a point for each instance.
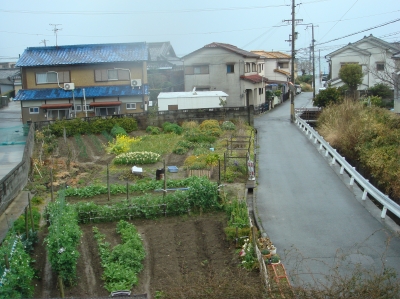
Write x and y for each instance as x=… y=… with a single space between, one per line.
x=95 y=126
x=211 y=127
x=172 y=128
x=228 y=125
x=236 y=210
x=123 y=263
x=153 y=130
x=63 y=239
x=197 y=136
x=117 y=130
x=180 y=150
x=17 y=282
x=328 y=96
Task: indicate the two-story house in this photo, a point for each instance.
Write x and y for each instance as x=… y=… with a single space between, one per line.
x=396 y=81
x=224 y=67
x=371 y=53
x=277 y=66
x=83 y=80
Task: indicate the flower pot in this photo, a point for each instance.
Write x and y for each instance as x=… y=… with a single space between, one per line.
x=273 y=250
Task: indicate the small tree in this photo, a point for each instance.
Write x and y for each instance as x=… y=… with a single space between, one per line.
x=331 y=95
x=352 y=75
x=381 y=90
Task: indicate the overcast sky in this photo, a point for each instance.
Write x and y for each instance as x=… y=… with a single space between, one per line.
x=189 y=25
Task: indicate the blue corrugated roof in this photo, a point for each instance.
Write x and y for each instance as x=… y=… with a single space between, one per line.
x=90 y=92
x=83 y=54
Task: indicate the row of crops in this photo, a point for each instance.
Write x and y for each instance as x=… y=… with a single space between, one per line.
x=64 y=234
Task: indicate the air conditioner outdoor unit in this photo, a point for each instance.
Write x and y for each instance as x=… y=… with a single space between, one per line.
x=69 y=86
x=136 y=82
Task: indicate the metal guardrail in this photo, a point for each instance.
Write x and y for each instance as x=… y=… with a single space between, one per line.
x=388 y=204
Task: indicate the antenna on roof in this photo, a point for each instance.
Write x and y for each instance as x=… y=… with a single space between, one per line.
x=43 y=41
x=55 y=30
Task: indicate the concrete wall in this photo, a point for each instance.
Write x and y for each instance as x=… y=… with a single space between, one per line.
x=146 y=119
x=17 y=179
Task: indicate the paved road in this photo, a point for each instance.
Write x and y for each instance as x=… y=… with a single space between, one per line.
x=312 y=215
x=10 y=123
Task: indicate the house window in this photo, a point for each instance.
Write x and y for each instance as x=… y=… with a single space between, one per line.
x=43 y=78
x=260 y=90
x=111 y=75
x=200 y=69
x=196 y=70
x=34 y=110
x=283 y=65
x=253 y=67
x=230 y=68
x=87 y=108
x=380 y=66
x=247 y=68
x=78 y=108
x=130 y=105
x=51 y=77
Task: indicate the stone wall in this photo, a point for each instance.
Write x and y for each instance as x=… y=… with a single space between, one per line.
x=17 y=179
x=146 y=119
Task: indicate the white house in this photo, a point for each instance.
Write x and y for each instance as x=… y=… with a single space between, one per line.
x=396 y=79
x=373 y=54
x=277 y=66
x=220 y=66
x=190 y=100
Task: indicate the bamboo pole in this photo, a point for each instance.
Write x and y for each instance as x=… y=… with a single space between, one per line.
x=60 y=283
x=108 y=181
x=26 y=222
x=30 y=211
x=51 y=183
x=165 y=182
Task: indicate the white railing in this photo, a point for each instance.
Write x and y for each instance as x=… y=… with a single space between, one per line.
x=388 y=204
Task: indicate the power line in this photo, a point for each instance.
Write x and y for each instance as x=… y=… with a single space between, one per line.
x=377 y=26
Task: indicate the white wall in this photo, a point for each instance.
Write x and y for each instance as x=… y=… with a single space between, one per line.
x=190 y=102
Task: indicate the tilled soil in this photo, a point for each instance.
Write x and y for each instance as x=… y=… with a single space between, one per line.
x=186 y=256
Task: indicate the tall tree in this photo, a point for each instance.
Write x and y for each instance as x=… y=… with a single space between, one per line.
x=352 y=75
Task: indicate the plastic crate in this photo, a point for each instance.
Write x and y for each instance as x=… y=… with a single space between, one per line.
x=172 y=169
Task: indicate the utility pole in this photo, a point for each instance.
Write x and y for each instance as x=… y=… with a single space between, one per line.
x=313 y=59
x=319 y=65
x=292 y=77
x=55 y=30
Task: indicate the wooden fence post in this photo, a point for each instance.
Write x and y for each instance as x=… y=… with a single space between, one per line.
x=51 y=183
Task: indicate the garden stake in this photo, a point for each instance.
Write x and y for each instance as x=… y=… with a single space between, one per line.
x=60 y=283
x=108 y=182
x=51 y=183
x=6 y=261
x=165 y=182
x=30 y=211
x=26 y=222
x=127 y=190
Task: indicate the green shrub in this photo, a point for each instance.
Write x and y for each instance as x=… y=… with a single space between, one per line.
x=172 y=128
x=228 y=125
x=180 y=150
x=153 y=130
x=197 y=136
x=117 y=130
x=230 y=232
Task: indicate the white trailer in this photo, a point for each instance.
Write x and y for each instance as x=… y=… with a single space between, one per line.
x=190 y=100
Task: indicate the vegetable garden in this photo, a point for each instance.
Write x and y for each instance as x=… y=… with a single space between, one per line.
x=144 y=238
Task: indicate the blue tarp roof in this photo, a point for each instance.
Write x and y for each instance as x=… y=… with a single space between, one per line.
x=90 y=92
x=83 y=54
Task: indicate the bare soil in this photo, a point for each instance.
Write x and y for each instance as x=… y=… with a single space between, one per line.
x=183 y=254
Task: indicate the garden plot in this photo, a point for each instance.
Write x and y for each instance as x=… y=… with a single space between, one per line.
x=185 y=255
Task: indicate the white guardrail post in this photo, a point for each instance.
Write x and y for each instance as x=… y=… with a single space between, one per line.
x=367 y=187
